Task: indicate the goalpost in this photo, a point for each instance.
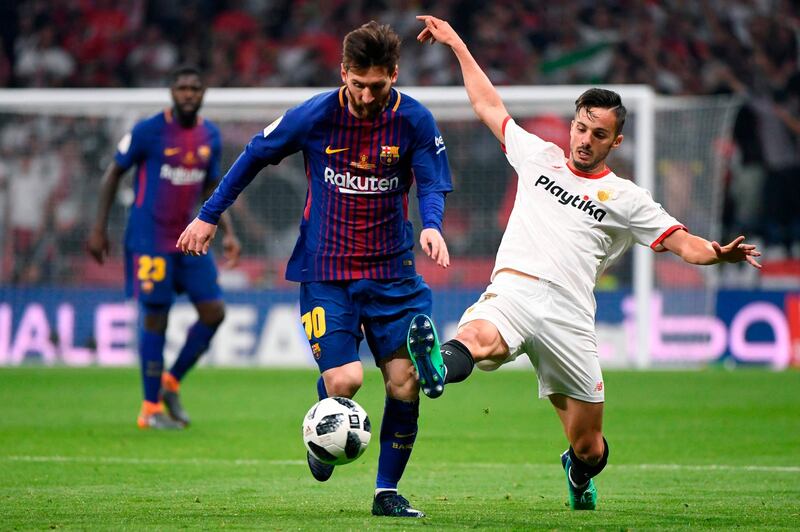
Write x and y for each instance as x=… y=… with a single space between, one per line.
x=671 y=149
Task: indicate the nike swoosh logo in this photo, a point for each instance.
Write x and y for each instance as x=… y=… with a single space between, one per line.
x=410 y=434
x=331 y=151
x=171 y=151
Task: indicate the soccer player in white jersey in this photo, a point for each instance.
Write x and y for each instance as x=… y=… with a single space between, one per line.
x=572 y=218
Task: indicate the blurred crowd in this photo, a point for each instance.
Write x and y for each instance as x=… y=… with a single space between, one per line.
x=745 y=48
x=678 y=46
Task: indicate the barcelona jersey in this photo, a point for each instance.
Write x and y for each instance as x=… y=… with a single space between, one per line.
x=355 y=219
x=174 y=166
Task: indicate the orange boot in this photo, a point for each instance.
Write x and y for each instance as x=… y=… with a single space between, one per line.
x=152 y=416
x=170 y=388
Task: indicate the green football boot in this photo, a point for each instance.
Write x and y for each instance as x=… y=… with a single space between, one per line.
x=579 y=499
x=423 y=347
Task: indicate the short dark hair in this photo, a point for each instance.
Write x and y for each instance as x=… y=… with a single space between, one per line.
x=184 y=70
x=371 y=45
x=604 y=99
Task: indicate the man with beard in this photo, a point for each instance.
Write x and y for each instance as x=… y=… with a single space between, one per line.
x=572 y=218
x=364 y=144
x=177 y=154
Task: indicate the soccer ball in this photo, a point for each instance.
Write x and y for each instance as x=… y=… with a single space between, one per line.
x=336 y=430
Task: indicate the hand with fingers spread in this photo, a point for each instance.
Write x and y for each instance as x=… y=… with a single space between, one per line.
x=434 y=246
x=196 y=238
x=737 y=251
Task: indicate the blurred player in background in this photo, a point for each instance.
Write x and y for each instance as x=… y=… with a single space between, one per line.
x=177 y=154
x=364 y=145
x=571 y=219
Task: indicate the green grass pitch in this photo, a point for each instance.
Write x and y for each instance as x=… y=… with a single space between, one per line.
x=703 y=449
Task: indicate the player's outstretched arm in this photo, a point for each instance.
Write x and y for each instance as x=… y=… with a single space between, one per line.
x=197 y=237
x=485 y=100
x=97 y=243
x=697 y=250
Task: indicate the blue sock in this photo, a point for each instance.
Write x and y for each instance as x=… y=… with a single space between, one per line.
x=197 y=341
x=321 y=391
x=151 y=358
x=398 y=432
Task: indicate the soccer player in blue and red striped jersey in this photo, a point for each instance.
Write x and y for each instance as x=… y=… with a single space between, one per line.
x=364 y=145
x=177 y=155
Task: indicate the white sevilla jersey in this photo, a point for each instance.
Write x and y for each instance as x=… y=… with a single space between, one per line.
x=567 y=227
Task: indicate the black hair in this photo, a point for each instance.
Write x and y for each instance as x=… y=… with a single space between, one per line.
x=371 y=45
x=604 y=99
x=184 y=70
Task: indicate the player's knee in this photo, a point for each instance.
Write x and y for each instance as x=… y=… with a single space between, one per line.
x=211 y=314
x=485 y=345
x=590 y=448
x=154 y=317
x=488 y=364
x=476 y=339
x=342 y=381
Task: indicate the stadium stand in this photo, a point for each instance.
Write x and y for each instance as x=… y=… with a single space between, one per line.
x=744 y=47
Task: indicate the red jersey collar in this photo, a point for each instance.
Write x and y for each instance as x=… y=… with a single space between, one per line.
x=587 y=175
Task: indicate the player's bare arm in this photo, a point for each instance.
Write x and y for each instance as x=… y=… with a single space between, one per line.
x=434 y=246
x=97 y=244
x=197 y=237
x=231 y=247
x=486 y=102
x=697 y=250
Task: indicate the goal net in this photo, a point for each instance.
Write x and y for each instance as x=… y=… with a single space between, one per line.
x=56 y=144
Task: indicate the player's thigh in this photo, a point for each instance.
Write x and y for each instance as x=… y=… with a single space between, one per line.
x=564 y=351
x=197 y=277
x=503 y=320
x=149 y=277
x=331 y=321
x=387 y=308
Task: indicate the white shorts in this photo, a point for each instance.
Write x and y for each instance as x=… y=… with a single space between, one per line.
x=540 y=319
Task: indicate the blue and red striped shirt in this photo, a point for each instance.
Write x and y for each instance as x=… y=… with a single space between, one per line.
x=355 y=221
x=175 y=165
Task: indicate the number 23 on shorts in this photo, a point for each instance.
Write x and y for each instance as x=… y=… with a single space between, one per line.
x=151 y=270
x=314 y=322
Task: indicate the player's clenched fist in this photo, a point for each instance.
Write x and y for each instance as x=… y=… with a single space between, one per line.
x=197 y=237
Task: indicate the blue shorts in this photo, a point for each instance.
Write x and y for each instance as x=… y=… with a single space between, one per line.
x=334 y=314
x=156 y=278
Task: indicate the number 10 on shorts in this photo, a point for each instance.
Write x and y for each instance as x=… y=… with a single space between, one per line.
x=314 y=322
